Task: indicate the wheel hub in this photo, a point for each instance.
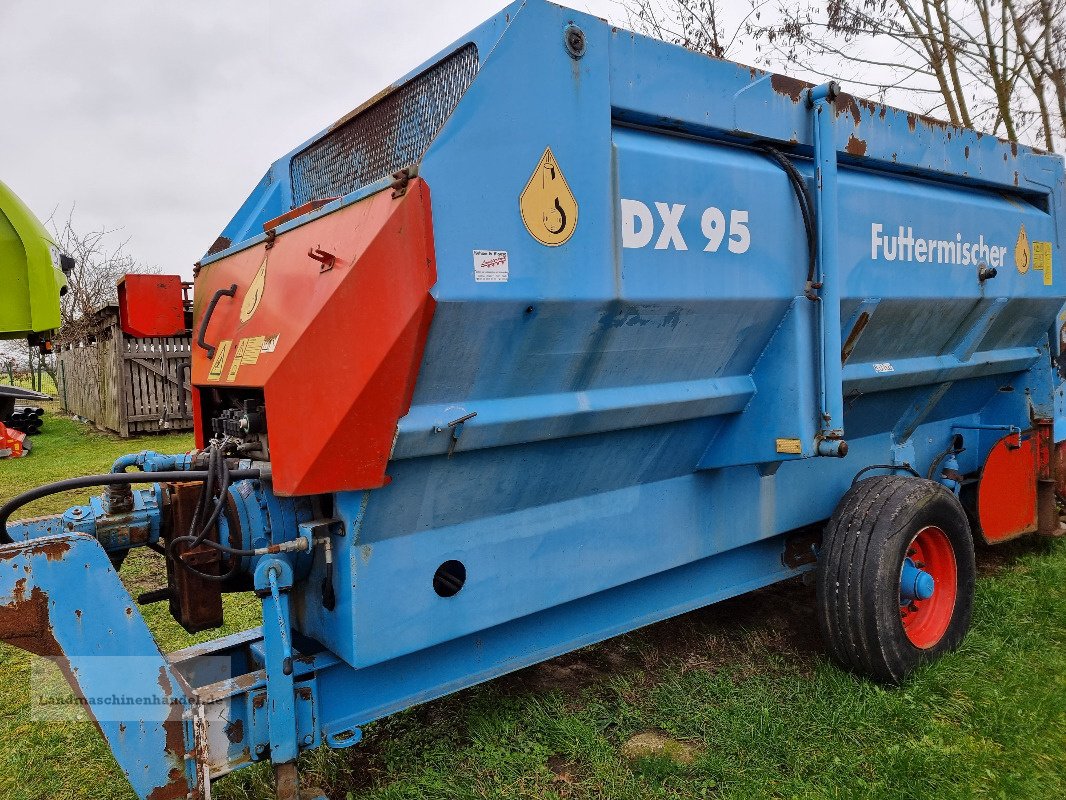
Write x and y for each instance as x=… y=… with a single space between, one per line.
x=914 y=583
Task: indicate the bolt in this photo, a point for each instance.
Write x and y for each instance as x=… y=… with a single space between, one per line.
x=308 y=739
x=574 y=40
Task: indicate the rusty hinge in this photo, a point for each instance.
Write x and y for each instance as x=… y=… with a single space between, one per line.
x=401 y=179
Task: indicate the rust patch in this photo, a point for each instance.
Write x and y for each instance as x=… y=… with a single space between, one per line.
x=24 y=622
x=220 y=244
x=853 y=337
x=793 y=88
x=359 y=109
x=164 y=682
x=235 y=731
x=845 y=104
x=912 y=121
x=53 y=550
x=856 y=146
x=966 y=151
x=177 y=785
x=933 y=122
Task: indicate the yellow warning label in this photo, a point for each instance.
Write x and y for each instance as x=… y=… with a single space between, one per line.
x=252 y=349
x=1042 y=259
x=219 y=361
x=254 y=294
x=1022 y=258
x=238 y=359
x=548 y=207
x=791 y=446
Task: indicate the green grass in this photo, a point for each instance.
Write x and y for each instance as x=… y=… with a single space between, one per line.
x=744 y=685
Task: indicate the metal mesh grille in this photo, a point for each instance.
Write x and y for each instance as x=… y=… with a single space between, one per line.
x=391 y=134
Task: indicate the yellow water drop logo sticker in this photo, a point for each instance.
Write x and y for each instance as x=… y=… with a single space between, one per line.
x=548 y=207
x=254 y=294
x=1021 y=252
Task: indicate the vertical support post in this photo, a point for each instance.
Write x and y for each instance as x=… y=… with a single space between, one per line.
x=118 y=343
x=831 y=375
x=273 y=579
x=1047 y=512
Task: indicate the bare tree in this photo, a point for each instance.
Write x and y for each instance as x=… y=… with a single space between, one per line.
x=99 y=262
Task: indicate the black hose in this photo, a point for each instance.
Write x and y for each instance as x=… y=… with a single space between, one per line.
x=903 y=467
x=219 y=470
x=233 y=551
x=806 y=204
x=110 y=479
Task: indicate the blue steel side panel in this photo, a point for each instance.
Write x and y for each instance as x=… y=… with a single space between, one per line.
x=353 y=697
x=671 y=88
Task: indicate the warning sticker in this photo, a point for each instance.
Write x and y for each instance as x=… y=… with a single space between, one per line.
x=219 y=361
x=238 y=359
x=790 y=446
x=270 y=343
x=548 y=207
x=1042 y=259
x=490 y=266
x=252 y=348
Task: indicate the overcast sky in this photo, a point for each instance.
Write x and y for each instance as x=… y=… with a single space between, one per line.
x=159 y=117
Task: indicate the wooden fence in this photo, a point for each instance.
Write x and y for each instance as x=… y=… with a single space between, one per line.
x=126 y=385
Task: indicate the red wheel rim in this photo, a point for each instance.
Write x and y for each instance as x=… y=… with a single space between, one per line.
x=926 y=621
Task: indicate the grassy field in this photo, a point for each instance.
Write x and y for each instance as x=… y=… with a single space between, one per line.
x=734 y=701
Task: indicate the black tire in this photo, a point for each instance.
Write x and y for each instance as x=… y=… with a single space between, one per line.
x=858 y=576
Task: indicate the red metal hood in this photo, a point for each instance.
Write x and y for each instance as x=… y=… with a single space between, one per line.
x=335 y=349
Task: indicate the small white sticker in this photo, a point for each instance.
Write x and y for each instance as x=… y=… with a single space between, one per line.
x=884 y=367
x=490 y=266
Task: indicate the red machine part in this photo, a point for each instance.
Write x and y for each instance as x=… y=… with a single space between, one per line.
x=330 y=320
x=13 y=444
x=1007 y=493
x=151 y=305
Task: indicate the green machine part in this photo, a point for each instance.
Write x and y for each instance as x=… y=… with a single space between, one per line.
x=32 y=271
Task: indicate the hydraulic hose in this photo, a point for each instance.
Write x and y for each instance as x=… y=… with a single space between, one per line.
x=110 y=479
x=806 y=205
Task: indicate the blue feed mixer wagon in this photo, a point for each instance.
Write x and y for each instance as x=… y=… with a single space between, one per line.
x=566 y=332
